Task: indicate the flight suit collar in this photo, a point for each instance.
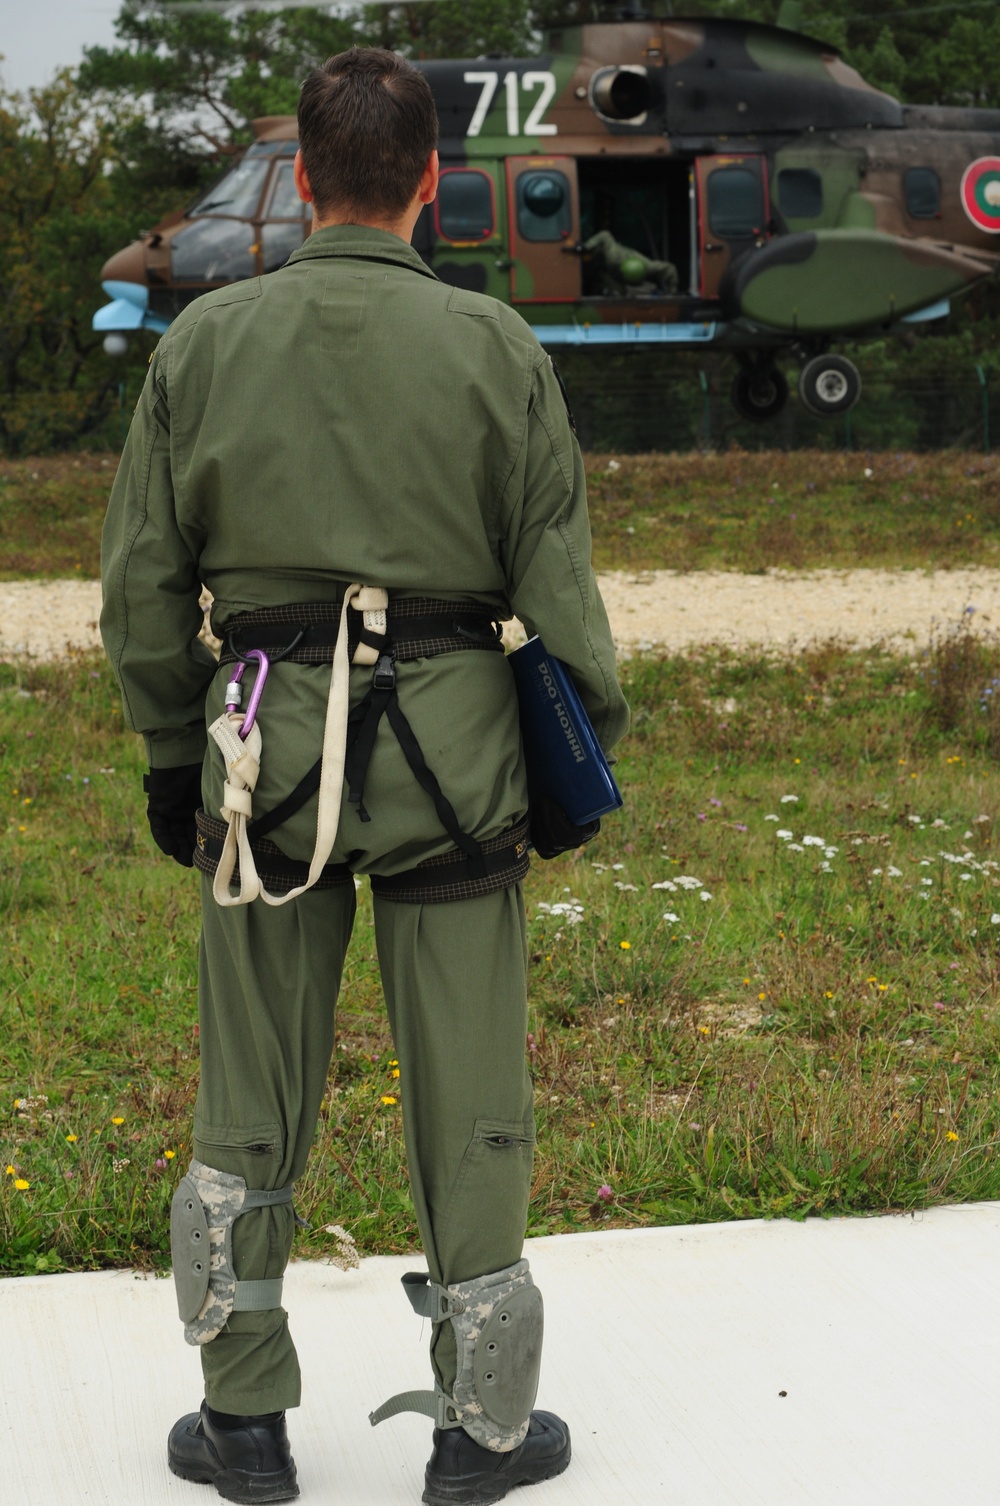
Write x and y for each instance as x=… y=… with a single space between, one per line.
x=363 y=242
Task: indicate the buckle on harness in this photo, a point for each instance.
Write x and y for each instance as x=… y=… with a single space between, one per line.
x=384 y=677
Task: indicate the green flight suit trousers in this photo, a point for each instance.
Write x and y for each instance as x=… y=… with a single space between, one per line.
x=454 y=977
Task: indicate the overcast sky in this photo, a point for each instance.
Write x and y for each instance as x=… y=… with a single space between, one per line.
x=39 y=36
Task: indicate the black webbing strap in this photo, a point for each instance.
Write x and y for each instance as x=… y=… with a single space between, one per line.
x=428 y=781
x=362 y=730
x=276 y=870
x=295 y=800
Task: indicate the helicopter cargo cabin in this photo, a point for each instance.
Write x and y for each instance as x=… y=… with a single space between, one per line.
x=702 y=182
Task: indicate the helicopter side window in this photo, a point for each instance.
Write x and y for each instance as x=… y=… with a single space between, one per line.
x=800 y=193
x=544 y=206
x=284 y=202
x=464 y=205
x=922 y=188
x=735 y=203
x=213 y=250
x=237 y=193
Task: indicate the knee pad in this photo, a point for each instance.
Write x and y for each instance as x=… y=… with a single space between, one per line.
x=498 y=1322
x=204 y=1208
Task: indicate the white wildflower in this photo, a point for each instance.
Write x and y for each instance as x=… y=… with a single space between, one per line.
x=667 y=884
x=830 y=852
x=704 y=895
x=784 y=834
x=669 y=915
x=688 y=881
x=794 y=847
x=995 y=919
x=789 y=799
x=895 y=872
x=876 y=872
x=618 y=867
x=772 y=818
x=813 y=842
x=626 y=888
x=928 y=882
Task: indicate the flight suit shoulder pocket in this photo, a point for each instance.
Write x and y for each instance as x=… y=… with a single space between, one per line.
x=464 y=302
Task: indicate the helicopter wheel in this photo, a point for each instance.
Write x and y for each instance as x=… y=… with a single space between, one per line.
x=759 y=394
x=829 y=385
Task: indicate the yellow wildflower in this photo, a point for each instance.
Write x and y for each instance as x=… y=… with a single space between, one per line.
x=388 y=1098
x=950 y=1136
x=169 y=1154
x=22 y=1185
x=10 y=1171
x=118 y=1119
x=625 y=945
x=71 y=1138
x=762 y=996
x=395 y=1071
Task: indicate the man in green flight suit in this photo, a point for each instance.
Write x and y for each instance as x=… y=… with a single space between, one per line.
x=371 y=468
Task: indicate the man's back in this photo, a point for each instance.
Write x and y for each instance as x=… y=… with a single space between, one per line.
x=348 y=417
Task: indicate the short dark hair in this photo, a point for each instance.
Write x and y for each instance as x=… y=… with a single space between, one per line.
x=367 y=127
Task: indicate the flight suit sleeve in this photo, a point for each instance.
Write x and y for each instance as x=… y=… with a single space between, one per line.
x=545 y=551
x=151 y=615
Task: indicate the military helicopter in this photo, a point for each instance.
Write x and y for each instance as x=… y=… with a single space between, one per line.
x=693 y=183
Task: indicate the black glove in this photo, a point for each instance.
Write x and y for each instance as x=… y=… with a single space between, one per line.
x=552 y=832
x=174 y=796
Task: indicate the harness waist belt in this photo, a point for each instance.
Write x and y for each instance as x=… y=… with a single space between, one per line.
x=419 y=628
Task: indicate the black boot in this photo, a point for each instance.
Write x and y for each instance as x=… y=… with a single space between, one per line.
x=462 y=1473
x=247 y=1459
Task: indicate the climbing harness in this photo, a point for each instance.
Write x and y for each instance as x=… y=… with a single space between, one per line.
x=382 y=635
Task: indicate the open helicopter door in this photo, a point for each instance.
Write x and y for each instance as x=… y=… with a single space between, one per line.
x=543 y=215
x=733 y=213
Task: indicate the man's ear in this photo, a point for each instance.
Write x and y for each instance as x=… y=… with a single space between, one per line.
x=302 y=179
x=427 y=192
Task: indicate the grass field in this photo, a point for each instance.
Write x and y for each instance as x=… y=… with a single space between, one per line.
x=739 y=511
x=770 y=988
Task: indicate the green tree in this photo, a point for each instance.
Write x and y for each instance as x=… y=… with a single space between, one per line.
x=60 y=210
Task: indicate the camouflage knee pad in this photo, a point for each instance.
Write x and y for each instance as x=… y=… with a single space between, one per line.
x=498 y=1323
x=205 y=1206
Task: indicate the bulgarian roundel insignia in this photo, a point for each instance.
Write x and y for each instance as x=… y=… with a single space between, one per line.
x=981 y=193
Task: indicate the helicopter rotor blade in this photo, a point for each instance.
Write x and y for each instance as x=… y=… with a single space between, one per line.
x=222 y=6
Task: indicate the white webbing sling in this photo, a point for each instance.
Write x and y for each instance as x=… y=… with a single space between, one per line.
x=242 y=758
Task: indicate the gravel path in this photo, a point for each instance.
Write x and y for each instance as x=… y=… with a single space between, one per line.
x=782 y=609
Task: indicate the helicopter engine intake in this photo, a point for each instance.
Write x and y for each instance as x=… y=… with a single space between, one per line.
x=622 y=93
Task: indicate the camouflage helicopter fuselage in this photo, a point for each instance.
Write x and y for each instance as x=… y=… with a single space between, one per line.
x=792 y=201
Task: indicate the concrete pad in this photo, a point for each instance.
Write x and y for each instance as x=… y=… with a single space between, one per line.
x=849 y=1360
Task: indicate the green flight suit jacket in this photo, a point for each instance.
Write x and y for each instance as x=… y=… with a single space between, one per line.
x=347 y=418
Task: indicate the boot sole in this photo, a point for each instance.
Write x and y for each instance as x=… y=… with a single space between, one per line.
x=484 y=1490
x=239 y=1485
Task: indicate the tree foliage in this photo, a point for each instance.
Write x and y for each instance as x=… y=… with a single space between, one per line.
x=59 y=210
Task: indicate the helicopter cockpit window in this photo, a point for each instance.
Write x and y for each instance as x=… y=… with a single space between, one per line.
x=800 y=193
x=464 y=205
x=238 y=193
x=922 y=187
x=284 y=202
x=735 y=203
x=544 y=206
x=213 y=250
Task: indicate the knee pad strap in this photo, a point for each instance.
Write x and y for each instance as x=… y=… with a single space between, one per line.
x=498 y=1323
x=204 y=1208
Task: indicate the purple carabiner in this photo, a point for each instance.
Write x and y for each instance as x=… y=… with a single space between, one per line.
x=233 y=695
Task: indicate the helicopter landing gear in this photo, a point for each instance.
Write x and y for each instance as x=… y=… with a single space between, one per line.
x=829 y=385
x=759 y=392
